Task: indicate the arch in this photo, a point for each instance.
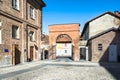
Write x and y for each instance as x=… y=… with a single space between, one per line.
x=63 y=38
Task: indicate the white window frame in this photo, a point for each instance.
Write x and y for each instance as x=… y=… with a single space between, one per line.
x=15 y=33
x=15 y=4
x=32 y=12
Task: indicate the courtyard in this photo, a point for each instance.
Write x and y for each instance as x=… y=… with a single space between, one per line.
x=61 y=69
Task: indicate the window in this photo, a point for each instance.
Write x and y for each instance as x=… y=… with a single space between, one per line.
x=100 y=47
x=15 y=4
x=15 y=32
x=65 y=51
x=32 y=12
x=32 y=37
x=1 y=0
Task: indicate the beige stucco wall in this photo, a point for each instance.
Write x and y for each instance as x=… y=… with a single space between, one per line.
x=101 y=24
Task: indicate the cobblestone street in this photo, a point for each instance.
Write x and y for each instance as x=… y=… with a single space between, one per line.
x=61 y=70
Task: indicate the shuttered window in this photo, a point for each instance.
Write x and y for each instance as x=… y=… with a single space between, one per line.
x=100 y=47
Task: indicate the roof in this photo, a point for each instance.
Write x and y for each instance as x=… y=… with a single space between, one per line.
x=64 y=24
x=41 y=2
x=85 y=26
x=106 y=31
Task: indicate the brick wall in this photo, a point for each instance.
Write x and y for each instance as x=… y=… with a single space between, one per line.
x=5 y=54
x=70 y=29
x=106 y=40
x=21 y=18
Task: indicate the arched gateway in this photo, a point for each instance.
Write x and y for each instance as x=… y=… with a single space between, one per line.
x=64 y=46
x=64 y=41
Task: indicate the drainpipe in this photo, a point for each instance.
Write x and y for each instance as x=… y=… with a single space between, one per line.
x=27 y=43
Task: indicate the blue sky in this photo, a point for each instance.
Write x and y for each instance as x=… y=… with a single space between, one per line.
x=75 y=11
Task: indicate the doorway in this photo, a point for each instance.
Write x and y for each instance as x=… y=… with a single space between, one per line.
x=64 y=50
x=83 y=53
x=16 y=54
x=31 y=53
x=112 y=53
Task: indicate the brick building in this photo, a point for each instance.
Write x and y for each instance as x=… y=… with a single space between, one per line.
x=105 y=47
x=44 y=46
x=20 y=30
x=64 y=41
x=102 y=38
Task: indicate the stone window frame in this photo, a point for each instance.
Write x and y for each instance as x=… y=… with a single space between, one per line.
x=32 y=12
x=15 y=32
x=100 y=47
x=16 y=4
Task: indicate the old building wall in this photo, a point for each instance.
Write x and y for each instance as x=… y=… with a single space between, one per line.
x=10 y=10
x=33 y=43
x=101 y=24
x=21 y=18
x=106 y=40
x=38 y=9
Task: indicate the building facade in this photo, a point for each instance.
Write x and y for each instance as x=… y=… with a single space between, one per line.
x=102 y=38
x=20 y=30
x=44 y=46
x=105 y=47
x=64 y=40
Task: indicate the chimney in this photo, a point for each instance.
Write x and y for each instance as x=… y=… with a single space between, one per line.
x=117 y=13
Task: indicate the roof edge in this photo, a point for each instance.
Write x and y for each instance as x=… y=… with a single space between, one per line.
x=85 y=26
x=64 y=24
x=106 y=31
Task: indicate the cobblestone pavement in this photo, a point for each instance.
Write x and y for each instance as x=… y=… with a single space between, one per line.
x=61 y=70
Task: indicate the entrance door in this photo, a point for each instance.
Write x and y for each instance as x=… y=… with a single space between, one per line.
x=15 y=54
x=83 y=53
x=113 y=53
x=31 y=53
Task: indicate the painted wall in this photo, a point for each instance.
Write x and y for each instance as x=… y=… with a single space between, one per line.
x=101 y=24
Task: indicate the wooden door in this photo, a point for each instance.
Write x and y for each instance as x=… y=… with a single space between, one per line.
x=15 y=54
x=31 y=53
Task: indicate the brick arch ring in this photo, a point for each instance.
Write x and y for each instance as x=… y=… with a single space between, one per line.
x=63 y=38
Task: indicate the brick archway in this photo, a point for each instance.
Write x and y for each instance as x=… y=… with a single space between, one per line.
x=63 y=38
x=64 y=35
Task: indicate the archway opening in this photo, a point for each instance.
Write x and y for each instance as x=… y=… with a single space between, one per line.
x=64 y=46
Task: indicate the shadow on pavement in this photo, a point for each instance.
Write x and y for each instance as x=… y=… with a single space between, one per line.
x=113 y=69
